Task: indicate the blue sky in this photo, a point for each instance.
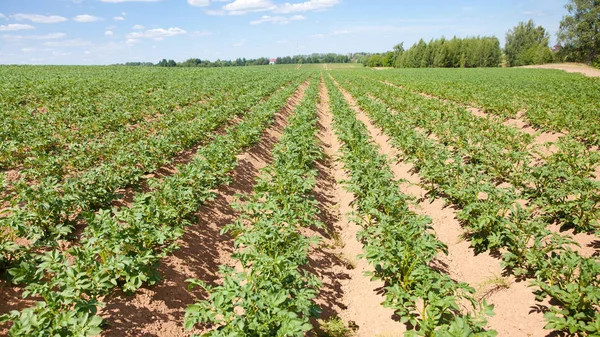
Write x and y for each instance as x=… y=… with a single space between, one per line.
x=118 y=31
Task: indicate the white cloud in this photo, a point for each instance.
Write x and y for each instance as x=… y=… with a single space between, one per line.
x=68 y=43
x=86 y=18
x=158 y=33
x=240 y=43
x=239 y=7
x=199 y=3
x=283 y=41
x=311 y=5
x=15 y=26
x=201 y=33
x=40 y=18
x=215 y=12
x=35 y=37
x=118 y=18
x=109 y=33
x=57 y=53
x=282 y=20
x=340 y=32
x=138 y=27
x=131 y=42
x=2 y=16
x=317 y=36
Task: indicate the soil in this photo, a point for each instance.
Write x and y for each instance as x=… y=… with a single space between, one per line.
x=570 y=68
x=513 y=301
x=347 y=292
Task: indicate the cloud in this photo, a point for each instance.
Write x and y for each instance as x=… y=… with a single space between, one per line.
x=131 y=42
x=2 y=16
x=199 y=3
x=109 y=33
x=201 y=33
x=284 y=41
x=87 y=18
x=282 y=20
x=40 y=18
x=68 y=43
x=317 y=36
x=118 y=18
x=240 y=43
x=535 y=13
x=340 y=32
x=35 y=37
x=158 y=33
x=138 y=27
x=239 y=7
x=311 y=5
x=15 y=26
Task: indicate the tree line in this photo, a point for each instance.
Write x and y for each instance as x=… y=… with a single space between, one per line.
x=525 y=44
x=242 y=62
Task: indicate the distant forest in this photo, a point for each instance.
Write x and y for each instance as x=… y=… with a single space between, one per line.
x=241 y=62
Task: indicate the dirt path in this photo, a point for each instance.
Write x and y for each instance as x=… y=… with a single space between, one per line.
x=347 y=292
x=512 y=300
x=570 y=68
x=158 y=311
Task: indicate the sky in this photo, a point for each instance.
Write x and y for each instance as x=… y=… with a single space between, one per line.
x=119 y=31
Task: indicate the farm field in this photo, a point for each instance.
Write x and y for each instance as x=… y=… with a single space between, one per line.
x=320 y=200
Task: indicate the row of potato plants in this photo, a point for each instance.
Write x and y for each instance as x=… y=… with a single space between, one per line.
x=400 y=244
x=498 y=221
x=46 y=212
x=272 y=292
x=46 y=110
x=77 y=156
x=559 y=184
x=552 y=100
x=122 y=247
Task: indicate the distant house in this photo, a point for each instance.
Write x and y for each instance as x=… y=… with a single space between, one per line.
x=272 y=61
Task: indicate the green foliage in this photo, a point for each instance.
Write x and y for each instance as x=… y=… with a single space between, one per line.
x=464 y=163
x=123 y=247
x=579 y=32
x=455 y=53
x=527 y=44
x=334 y=327
x=398 y=243
x=273 y=295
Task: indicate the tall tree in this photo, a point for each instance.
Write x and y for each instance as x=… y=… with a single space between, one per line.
x=579 y=33
x=527 y=44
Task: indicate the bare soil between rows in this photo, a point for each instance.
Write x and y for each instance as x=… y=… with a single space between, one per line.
x=517 y=313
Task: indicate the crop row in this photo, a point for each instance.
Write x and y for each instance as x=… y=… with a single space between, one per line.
x=497 y=220
x=400 y=244
x=47 y=110
x=559 y=184
x=46 y=212
x=123 y=247
x=552 y=100
x=272 y=294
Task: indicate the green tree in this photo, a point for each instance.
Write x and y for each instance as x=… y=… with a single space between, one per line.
x=527 y=44
x=579 y=32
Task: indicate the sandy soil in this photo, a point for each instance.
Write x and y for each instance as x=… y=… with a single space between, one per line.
x=347 y=292
x=159 y=310
x=570 y=68
x=513 y=300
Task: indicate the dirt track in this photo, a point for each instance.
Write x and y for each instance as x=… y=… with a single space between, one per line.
x=570 y=68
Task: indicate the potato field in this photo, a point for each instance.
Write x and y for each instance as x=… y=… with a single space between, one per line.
x=298 y=201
